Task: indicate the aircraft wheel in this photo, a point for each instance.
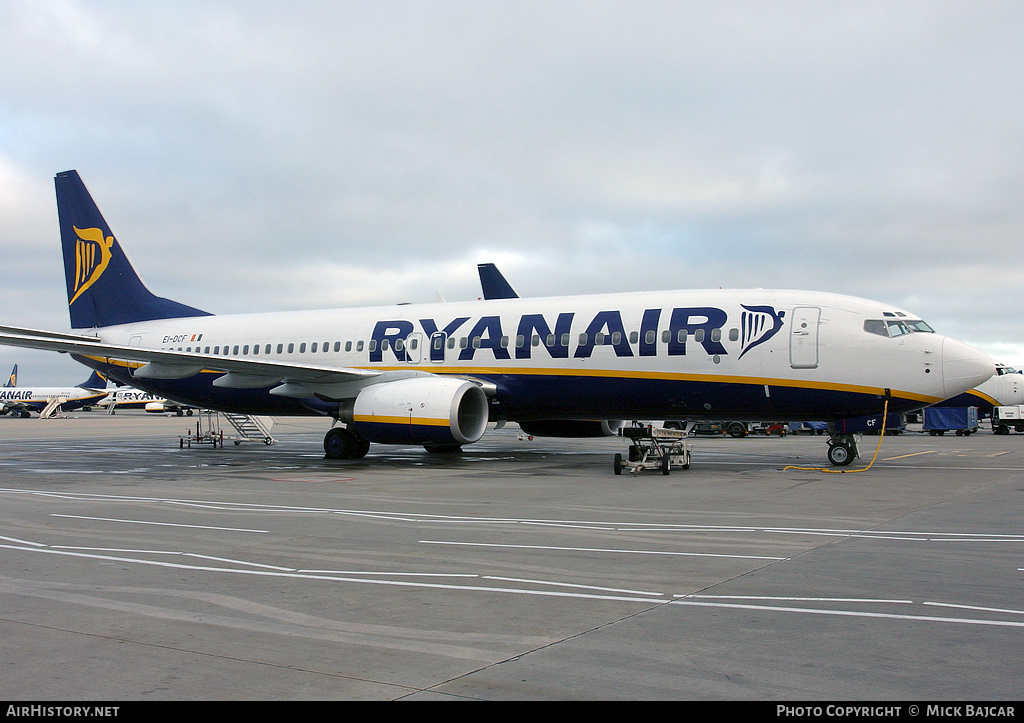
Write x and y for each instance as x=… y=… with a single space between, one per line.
x=443 y=448
x=340 y=443
x=840 y=455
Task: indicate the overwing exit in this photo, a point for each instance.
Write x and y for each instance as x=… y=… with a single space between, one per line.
x=436 y=374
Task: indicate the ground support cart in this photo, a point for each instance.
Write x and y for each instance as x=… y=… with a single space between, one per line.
x=939 y=420
x=654 y=448
x=207 y=431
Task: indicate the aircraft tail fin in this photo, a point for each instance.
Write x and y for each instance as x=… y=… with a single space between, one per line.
x=103 y=288
x=13 y=381
x=494 y=284
x=95 y=381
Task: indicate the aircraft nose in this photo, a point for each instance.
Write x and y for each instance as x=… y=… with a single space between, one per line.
x=964 y=367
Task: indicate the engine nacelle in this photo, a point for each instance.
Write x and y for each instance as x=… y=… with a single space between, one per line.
x=428 y=410
x=572 y=428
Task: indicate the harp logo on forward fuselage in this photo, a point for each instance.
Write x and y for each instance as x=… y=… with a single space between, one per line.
x=758 y=324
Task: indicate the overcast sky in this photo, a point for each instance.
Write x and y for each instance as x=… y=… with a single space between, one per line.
x=266 y=156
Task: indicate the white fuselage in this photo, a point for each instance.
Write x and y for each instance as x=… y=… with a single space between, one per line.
x=698 y=353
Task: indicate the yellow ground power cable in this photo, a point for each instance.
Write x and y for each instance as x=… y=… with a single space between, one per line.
x=885 y=415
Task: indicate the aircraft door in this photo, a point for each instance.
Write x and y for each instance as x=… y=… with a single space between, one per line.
x=803 y=337
x=438 y=340
x=414 y=348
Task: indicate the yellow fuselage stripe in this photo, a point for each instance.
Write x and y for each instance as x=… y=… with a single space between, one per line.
x=482 y=371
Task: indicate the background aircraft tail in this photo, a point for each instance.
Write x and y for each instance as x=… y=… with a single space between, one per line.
x=494 y=284
x=103 y=288
x=96 y=381
x=13 y=381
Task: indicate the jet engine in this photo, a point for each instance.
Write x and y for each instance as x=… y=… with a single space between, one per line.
x=572 y=428
x=433 y=411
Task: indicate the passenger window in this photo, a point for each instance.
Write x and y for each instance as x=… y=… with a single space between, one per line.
x=734 y=334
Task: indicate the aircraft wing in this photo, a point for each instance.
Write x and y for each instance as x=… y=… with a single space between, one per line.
x=167 y=364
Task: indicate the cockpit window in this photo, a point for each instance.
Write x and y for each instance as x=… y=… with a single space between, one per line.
x=873 y=326
x=896 y=327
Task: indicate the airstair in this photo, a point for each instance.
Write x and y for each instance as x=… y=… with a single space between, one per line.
x=52 y=407
x=249 y=428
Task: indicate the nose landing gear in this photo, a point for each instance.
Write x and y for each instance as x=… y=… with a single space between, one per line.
x=842 y=449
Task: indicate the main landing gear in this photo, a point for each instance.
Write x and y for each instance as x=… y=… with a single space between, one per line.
x=842 y=449
x=339 y=443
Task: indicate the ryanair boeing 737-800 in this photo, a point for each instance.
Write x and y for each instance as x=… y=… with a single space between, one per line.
x=20 y=401
x=435 y=374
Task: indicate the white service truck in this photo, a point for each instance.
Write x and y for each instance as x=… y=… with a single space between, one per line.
x=1003 y=418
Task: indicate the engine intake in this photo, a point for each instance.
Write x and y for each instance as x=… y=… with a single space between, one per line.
x=428 y=410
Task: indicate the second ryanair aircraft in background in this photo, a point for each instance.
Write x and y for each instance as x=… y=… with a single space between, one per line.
x=46 y=401
x=435 y=374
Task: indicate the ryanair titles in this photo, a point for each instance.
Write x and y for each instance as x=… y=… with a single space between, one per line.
x=563 y=336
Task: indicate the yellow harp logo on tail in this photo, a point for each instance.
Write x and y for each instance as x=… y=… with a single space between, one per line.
x=92 y=254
